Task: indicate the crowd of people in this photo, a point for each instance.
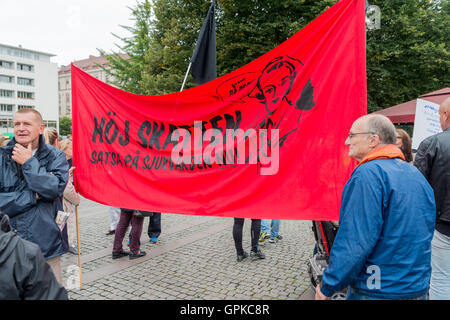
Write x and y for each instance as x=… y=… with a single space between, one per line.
x=393 y=240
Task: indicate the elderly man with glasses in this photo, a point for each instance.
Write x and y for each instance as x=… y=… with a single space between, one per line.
x=383 y=247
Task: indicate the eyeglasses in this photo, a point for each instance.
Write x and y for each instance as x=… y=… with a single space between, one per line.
x=351 y=134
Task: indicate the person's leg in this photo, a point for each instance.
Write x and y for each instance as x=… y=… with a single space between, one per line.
x=255 y=231
x=440 y=267
x=237 y=235
x=114 y=215
x=274 y=229
x=265 y=226
x=55 y=265
x=154 y=226
x=71 y=230
x=136 y=231
x=121 y=229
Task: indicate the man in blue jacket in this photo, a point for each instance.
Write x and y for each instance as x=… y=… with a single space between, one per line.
x=33 y=176
x=383 y=246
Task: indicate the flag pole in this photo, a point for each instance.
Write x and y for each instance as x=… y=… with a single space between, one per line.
x=78 y=245
x=185 y=77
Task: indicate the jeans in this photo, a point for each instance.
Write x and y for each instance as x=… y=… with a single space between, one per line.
x=274 y=227
x=154 y=225
x=440 y=267
x=355 y=295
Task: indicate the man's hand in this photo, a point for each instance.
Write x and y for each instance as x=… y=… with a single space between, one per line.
x=320 y=295
x=21 y=154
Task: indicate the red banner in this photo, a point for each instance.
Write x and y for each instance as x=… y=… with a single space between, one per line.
x=265 y=141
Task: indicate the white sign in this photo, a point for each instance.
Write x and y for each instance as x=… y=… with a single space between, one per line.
x=426 y=122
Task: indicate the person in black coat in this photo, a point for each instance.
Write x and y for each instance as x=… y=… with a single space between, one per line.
x=24 y=274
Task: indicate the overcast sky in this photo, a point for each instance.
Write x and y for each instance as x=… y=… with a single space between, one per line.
x=70 y=29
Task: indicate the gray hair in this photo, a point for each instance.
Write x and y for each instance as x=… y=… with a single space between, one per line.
x=383 y=127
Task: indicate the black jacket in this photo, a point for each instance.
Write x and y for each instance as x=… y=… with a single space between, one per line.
x=46 y=173
x=24 y=274
x=433 y=160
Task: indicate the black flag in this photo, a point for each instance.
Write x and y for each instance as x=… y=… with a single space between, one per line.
x=204 y=58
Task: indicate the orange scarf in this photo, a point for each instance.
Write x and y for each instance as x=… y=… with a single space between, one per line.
x=388 y=151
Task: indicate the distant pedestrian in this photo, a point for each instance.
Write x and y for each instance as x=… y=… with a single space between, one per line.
x=154 y=227
x=403 y=142
x=114 y=215
x=128 y=216
x=255 y=253
x=270 y=232
x=433 y=160
x=70 y=198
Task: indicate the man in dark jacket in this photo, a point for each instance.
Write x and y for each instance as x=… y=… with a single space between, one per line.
x=383 y=246
x=33 y=176
x=433 y=160
x=24 y=274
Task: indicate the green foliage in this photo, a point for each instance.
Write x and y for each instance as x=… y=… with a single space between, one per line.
x=126 y=71
x=65 y=126
x=407 y=57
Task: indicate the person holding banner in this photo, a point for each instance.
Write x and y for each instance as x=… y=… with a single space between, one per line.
x=382 y=249
x=433 y=160
x=128 y=216
x=70 y=199
x=33 y=176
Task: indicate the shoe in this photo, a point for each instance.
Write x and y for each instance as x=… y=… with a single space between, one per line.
x=263 y=237
x=110 y=232
x=257 y=255
x=276 y=239
x=137 y=255
x=117 y=255
x=242 y=256
x=154 y=240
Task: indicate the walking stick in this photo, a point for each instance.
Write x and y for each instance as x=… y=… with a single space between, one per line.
x=78 y=245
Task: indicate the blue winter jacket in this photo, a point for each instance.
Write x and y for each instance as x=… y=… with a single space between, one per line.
x=46 y=173
x=383 y=245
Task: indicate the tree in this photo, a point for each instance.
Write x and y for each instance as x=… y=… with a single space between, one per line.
x=245 y=31
x=409 y=55
x=126 y=71
x=65 y=126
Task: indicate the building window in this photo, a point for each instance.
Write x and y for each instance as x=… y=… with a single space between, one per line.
x=6 y=64
x=25 y=67
x=6 y=107
x=21 y=106
x=67 y=84
x=67 y=98
x=7 y=93
x=25 y=81
x=50 y=124
x=6 y=123
x=25 y=95
x=6 y=79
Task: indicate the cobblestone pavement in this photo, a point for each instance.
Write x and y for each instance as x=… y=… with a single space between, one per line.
x=195 y=259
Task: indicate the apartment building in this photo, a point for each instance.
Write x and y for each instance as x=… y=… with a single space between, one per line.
x=28 y=79
x=92 y=65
